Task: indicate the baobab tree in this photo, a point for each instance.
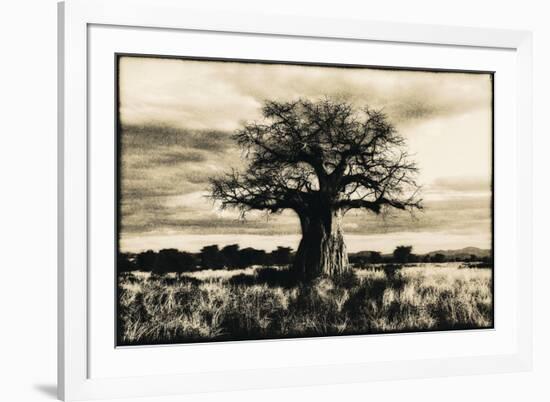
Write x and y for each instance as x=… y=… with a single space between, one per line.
x=320 y=159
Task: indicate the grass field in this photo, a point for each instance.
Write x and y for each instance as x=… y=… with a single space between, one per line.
x=260 y=303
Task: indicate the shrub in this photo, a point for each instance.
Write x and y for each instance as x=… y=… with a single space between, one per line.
x=392 y=270
x=346 y=279
x=275 y=277
x=242 y=279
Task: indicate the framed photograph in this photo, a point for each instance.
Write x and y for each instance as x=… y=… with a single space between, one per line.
x=255 y=201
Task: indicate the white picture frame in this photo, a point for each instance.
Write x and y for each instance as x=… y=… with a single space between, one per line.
x=75 y=382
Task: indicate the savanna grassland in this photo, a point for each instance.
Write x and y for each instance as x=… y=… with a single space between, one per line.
x=263 y=302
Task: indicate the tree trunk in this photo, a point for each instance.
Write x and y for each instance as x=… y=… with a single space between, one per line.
x=322 y=250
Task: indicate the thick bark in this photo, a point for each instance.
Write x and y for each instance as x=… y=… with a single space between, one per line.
x=322 y=250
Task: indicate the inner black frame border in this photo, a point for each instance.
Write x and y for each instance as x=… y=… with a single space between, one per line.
x=117 y=154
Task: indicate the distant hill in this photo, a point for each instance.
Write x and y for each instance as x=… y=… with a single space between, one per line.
x=462 y=253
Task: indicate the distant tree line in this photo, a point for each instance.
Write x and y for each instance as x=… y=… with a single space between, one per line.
x=210 y=257
x=233 y=257
x=404 y=255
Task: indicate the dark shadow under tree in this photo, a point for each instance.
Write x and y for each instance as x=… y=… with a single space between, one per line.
x=320 y=159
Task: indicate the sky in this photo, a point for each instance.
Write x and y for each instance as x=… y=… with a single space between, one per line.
x=177 y=117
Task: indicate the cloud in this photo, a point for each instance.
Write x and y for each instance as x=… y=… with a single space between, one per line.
x=154 y=134
x=461 y=184
x=218 y=95
x=159 y=162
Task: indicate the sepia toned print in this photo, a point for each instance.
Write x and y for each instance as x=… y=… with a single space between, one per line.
x=265 y=200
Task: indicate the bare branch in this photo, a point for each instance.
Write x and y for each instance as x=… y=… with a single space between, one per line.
x=306 y=153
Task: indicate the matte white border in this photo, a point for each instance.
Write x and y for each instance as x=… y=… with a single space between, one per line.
x=75 y=16
x=107 y=362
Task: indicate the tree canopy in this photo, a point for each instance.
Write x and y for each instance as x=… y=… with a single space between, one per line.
x=303 y=150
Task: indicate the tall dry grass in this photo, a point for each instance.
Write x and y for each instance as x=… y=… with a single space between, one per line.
x=263 y=303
